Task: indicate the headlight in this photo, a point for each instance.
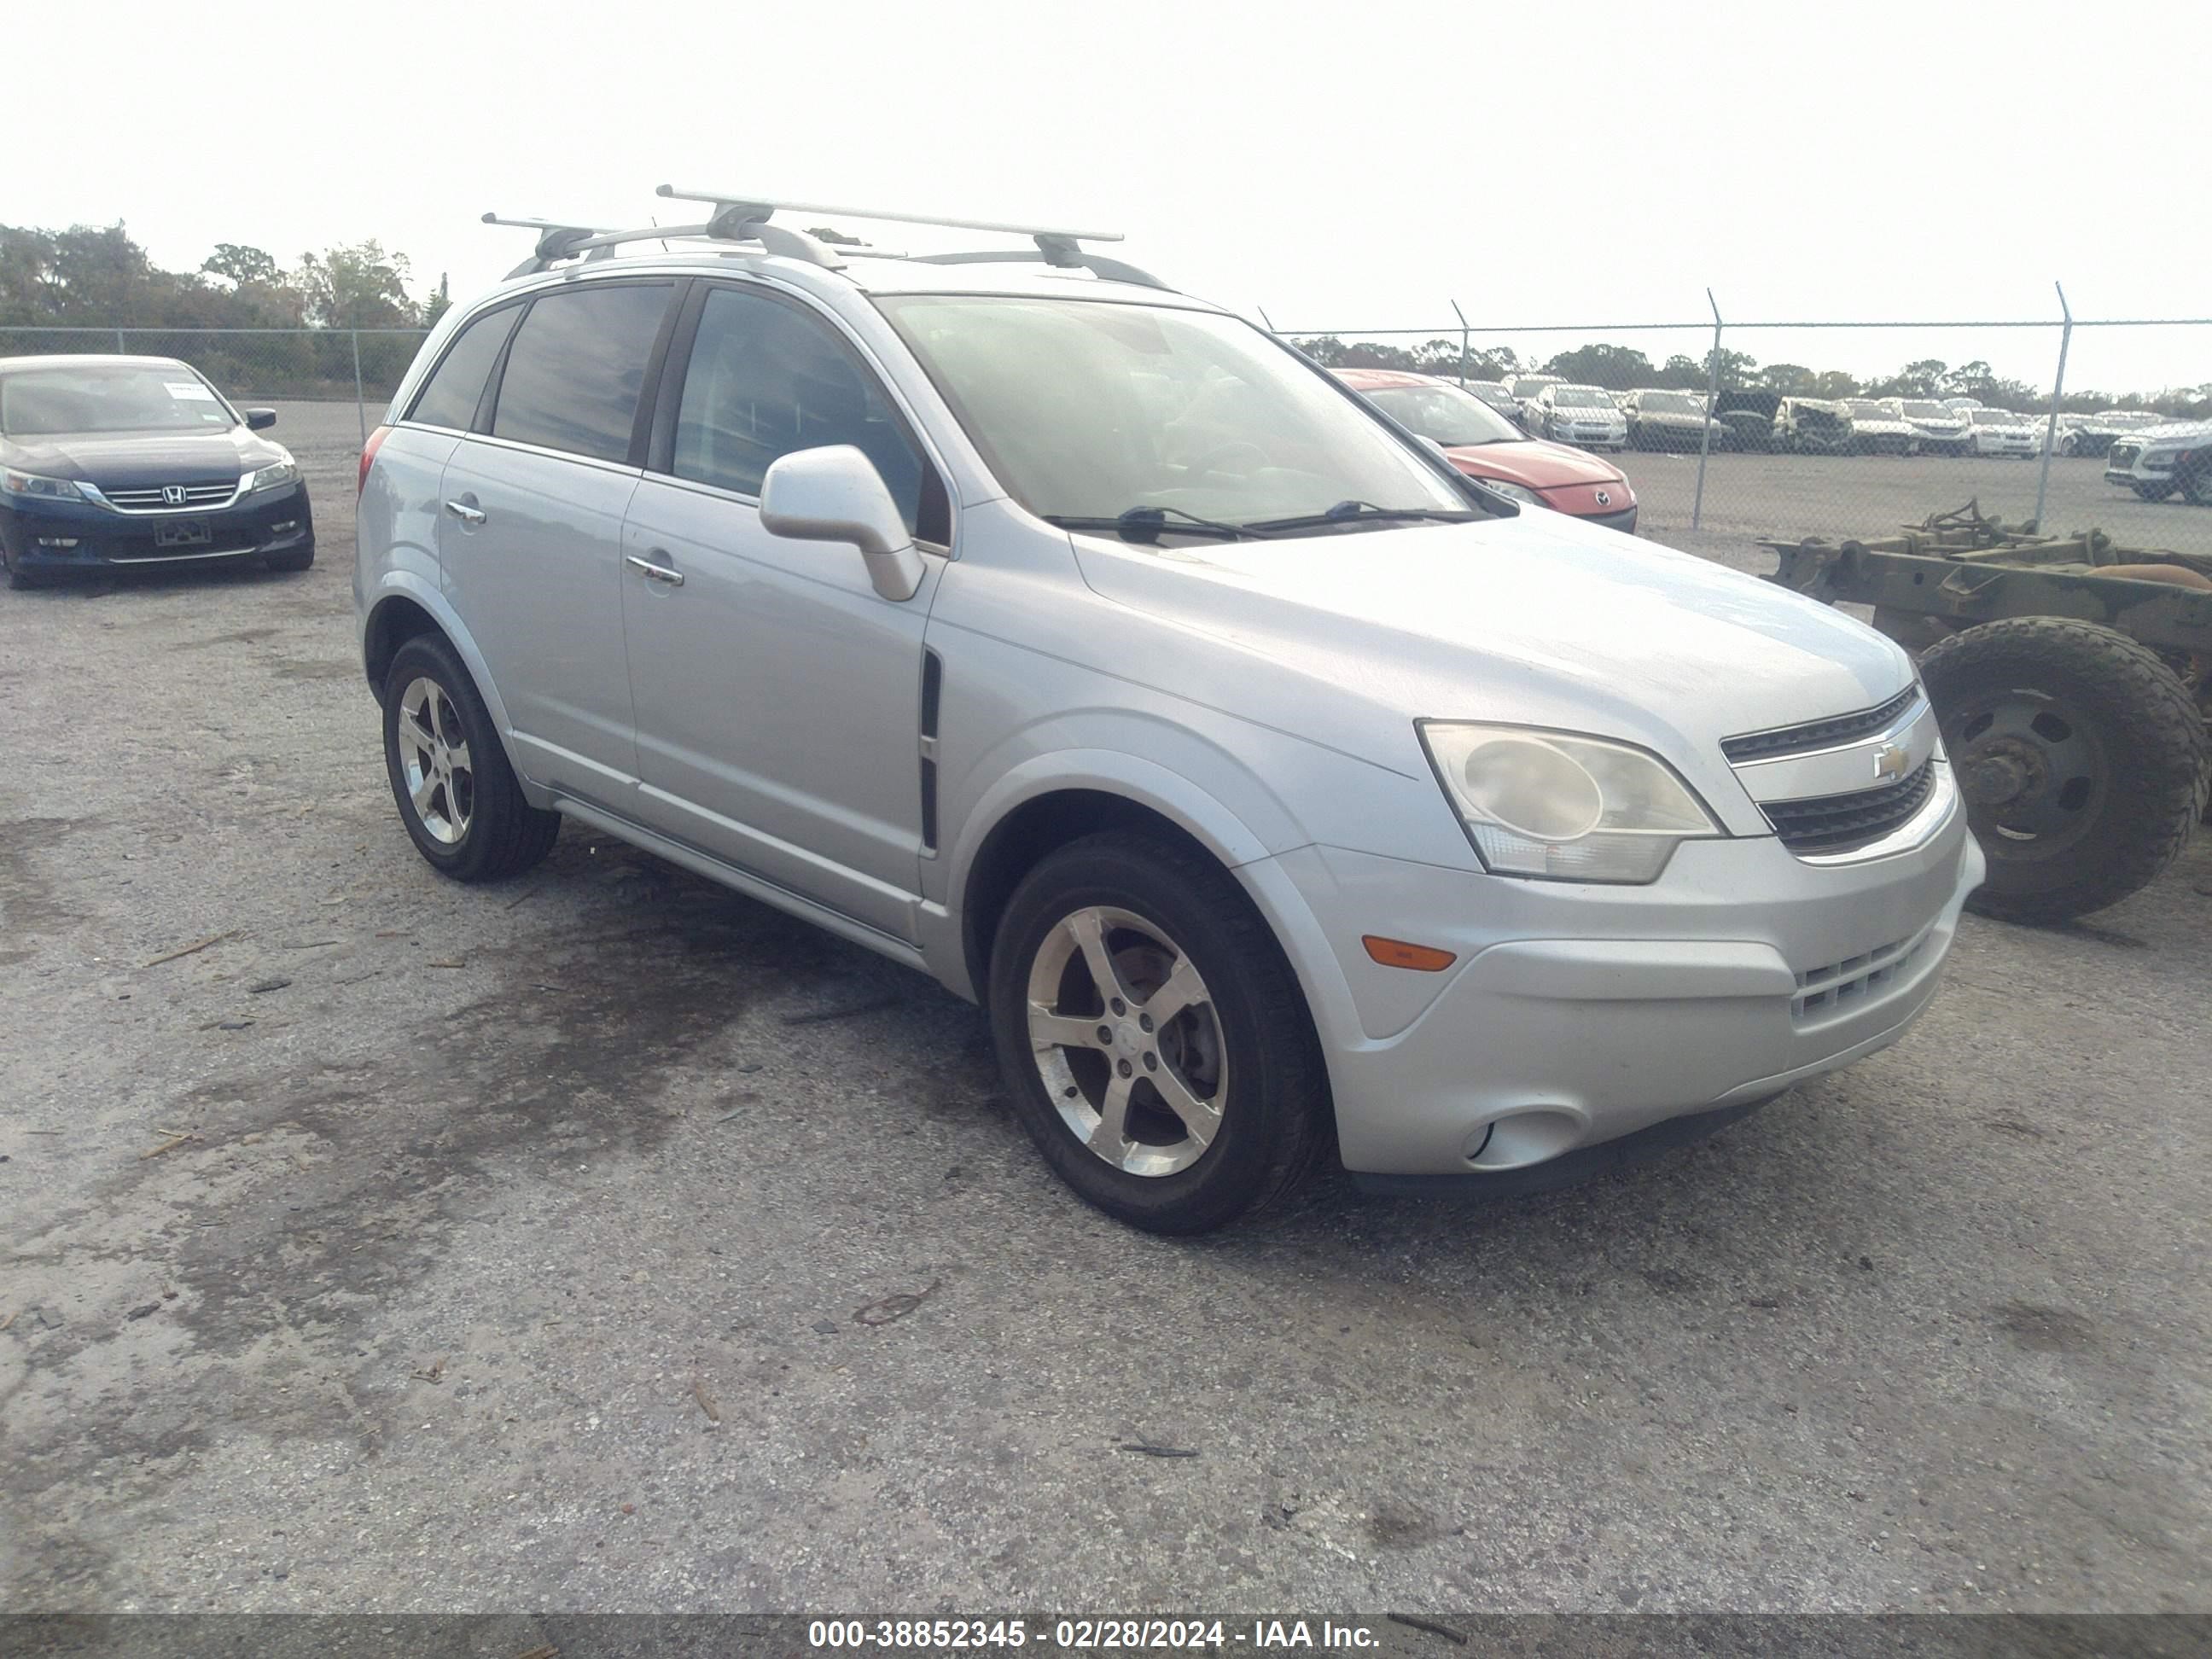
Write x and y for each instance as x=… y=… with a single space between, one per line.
x=1562 y=807
x=1512 y=492
x=2161 y=457
x=30 y=483
x=269 y=477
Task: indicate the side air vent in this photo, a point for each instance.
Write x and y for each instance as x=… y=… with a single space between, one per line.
x=933 y=692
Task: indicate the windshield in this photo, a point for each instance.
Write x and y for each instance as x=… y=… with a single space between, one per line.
x=1992 y=417
x=107 y=397
x=1581 y=396
x=1087 y=408
x=1528 y=386
x=1929 y=412
x=1446 y=413
x=1867 y=411
x=1666 y=402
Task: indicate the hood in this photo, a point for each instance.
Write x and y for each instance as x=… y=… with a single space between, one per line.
x=1535 y=619
x=140 y=460
x=1534 y=465
x=1953 y=423
x=1879 y=424
x=2169 y=432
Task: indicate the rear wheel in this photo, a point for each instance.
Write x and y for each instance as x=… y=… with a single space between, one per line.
x=1152 y=1036
x=457 y=794
x=2080 y=754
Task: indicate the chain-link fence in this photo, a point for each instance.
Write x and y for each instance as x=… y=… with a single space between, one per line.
x=352 y=370
x=1782 y=430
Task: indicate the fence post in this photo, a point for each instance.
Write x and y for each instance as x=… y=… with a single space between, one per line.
x=1712 y=397
x=121 y=350
x=1462 y=315
x=360 y=398
x=2057 y=391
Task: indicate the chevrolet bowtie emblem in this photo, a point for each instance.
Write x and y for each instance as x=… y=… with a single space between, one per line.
x=1891 y=762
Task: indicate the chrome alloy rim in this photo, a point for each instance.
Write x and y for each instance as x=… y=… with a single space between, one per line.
x=1127 y=1042
x=433 y=761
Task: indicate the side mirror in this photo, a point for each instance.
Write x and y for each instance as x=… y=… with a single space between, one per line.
x=834 y=494
x=260 y=419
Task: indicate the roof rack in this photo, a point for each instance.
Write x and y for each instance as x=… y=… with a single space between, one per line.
x=744 y=218
x=1056 y=245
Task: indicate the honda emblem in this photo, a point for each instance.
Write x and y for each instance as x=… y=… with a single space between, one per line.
x=173 y=495
x=1891 y=762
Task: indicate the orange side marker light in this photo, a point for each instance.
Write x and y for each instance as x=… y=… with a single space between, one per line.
x=1397 y=953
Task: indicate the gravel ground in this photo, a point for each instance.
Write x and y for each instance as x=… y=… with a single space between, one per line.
x=609 y=1242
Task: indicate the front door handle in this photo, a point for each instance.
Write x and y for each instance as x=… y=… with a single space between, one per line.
x=659 y=573
x=468 y=515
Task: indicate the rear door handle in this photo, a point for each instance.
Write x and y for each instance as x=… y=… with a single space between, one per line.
x=659 y=573
x=464 y=513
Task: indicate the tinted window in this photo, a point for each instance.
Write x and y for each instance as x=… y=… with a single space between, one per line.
x=765 y=379
x=451 y=398
x=578 y=363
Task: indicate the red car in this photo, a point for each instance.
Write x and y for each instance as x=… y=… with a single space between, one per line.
x=1485 y=445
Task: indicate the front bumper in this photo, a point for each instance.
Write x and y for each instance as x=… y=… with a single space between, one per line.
x=66 y=536
x=1577 y=1015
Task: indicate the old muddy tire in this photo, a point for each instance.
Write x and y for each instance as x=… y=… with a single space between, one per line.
x=1152 y=1038
x=2080 y=755
x=463 y=807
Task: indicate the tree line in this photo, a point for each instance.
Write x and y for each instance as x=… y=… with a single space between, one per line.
x=1619 y=368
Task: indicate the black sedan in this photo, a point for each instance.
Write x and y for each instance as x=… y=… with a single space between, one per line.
x=107 y=462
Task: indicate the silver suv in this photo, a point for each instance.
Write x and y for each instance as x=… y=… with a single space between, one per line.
x=1283 y=795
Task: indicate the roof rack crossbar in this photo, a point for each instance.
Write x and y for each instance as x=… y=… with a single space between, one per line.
x=736 y=222
x=766 y=205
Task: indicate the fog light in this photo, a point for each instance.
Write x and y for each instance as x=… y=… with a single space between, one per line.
x=282 y=526
x=57 y=541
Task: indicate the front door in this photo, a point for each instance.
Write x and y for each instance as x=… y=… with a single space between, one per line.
x=777 y=693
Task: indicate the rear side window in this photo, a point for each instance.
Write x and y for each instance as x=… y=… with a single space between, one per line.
x=454 y=392
x=764 y=379
x=576 y=367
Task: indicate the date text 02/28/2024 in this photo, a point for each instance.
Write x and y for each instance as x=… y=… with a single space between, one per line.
x=1088 y=1635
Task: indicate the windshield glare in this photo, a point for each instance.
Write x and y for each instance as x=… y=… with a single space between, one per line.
x=1666 y=402
x=1581 y=396
x=1992 y=417
x=1086 y=409
x=96 y=397
x=1929 y=412
x=1444 y=413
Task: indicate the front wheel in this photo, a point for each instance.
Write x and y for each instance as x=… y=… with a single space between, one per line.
x=2153 y=492
x=2197 y=485
x=1152 y=1036
x=2080 y=755
x=457 y=794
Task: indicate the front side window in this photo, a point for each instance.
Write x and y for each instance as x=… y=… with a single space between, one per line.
x=577 y=365
x=764 y=379
x=1087 y=410
x=1450 y=417
x=38 y=402
x=451 y=398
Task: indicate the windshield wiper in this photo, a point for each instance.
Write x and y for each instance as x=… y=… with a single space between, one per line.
x=1352 y=513
x=1145 y=525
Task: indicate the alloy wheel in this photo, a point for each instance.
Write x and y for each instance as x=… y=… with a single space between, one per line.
x=433 y=759
x=1126 y=1041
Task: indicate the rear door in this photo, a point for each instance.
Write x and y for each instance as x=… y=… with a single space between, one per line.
x=530 y=536
x=778 y=693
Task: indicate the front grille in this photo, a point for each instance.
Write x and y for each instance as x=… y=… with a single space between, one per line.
x=156 y=501
x=1841 y=987
x=2124 y=455
x=1837 y=823
x=1818 y=734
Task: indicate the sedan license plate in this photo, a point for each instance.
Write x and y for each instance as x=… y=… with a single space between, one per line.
x=187 y=532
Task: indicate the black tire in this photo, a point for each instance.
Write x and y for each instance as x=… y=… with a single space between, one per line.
x=18 y=578
x=499 y=833
x=2080 y=755
x=1275 y=1124
x=2153 y=492
x=2196 y=483
x=299 y=559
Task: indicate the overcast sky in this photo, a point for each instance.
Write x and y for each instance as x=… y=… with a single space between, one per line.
x=1354 y=167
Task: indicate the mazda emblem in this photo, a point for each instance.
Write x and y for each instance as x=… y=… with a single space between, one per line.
x=1605 y=498
x=1891 y=762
